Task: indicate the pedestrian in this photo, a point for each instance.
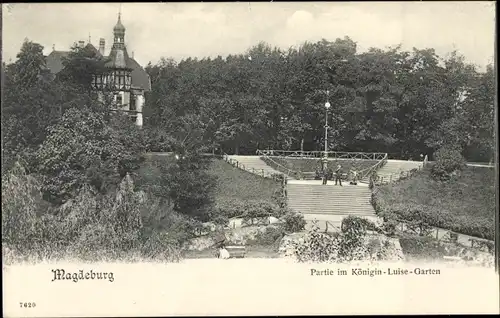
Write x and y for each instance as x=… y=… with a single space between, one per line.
x=325 y=176
x=338 y=175
x=223 y=253
x=354 y=177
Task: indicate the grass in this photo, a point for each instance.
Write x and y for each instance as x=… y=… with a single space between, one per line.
x=234 y=184
x=465 y=204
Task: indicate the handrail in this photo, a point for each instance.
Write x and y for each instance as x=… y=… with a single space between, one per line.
x=321 y=154
x=380 y=180
x=262 y=173
x=336 y=155
x=289 y=172
x=375 y=167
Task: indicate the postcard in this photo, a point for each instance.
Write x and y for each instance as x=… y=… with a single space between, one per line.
x=249 y=158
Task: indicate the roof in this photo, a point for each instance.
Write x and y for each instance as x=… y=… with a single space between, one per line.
x=54 y=61
x=93 y=48
x=140 y=78
x=118 y=58
x=119 y=26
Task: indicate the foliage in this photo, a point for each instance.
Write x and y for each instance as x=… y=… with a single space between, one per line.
x=271 y=236
x=255 y=210
x=81 y=65
x=352 y=244
x=294 y=222
x=89 y=226
x=20 y=208
x=83 y=148
x=396 y=101
x=421 y=247
x=449 y=161
x=183 y=180
x=32 y=102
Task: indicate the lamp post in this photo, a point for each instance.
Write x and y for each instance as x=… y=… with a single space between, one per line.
x=327 y=106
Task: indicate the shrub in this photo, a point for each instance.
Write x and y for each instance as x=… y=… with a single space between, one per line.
x=21 y=198
x=449 y=160
x=270 y=236
x=279 y=198
x=347 y=246
x=89 y=226
x=421 y=247
x=160 y=246
x=294 y=222
x=220 y=219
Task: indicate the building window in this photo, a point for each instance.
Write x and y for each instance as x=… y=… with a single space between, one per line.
x=119 y=100
x=132 y=102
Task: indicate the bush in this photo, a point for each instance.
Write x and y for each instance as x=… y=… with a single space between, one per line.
x=421 y=247
x=347 y=246
x=89 y=226
x=271 y=236
x=294 y=222
x=449 y=160
x=250 y=211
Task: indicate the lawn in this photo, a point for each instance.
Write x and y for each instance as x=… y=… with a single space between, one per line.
x=233 y=185
x=466 y=204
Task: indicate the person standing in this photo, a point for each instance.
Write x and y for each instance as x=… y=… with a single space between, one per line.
x=325 y=176
x=338 y=175
x=354 y=177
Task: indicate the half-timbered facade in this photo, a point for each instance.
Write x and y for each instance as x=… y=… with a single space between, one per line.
x=123 y=76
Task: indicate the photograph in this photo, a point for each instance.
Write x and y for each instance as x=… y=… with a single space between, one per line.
x=249 y=158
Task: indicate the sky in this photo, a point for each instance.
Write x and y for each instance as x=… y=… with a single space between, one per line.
x=181 y=30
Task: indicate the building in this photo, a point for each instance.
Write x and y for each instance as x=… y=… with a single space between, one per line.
x=125 y=78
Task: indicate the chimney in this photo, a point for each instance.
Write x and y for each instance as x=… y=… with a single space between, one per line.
x=102 y=46
x=81 y=44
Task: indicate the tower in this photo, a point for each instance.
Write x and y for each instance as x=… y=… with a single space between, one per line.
x=117 y=78
x=119 y=75
x=119 y=34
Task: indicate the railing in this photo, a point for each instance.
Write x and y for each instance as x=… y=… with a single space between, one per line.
x=279 y=167
x=363 y=174
x=328 y=225
x=403 y=175
x=404 y=226
x=321 y=154
x=422 y=229
x=260 y=172
x=280 y=177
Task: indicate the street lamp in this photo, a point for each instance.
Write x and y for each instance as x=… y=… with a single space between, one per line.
x=327 y=106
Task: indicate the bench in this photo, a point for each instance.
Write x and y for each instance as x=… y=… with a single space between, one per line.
x=236 y=251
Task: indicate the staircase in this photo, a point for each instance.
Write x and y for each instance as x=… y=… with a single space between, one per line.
x=253 y=164
x=329 y=202
x=392 y=169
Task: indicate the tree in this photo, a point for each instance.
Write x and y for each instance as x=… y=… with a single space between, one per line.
x=81 y=65
x=31 y=102
x=83 y=148
x=30 y=64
